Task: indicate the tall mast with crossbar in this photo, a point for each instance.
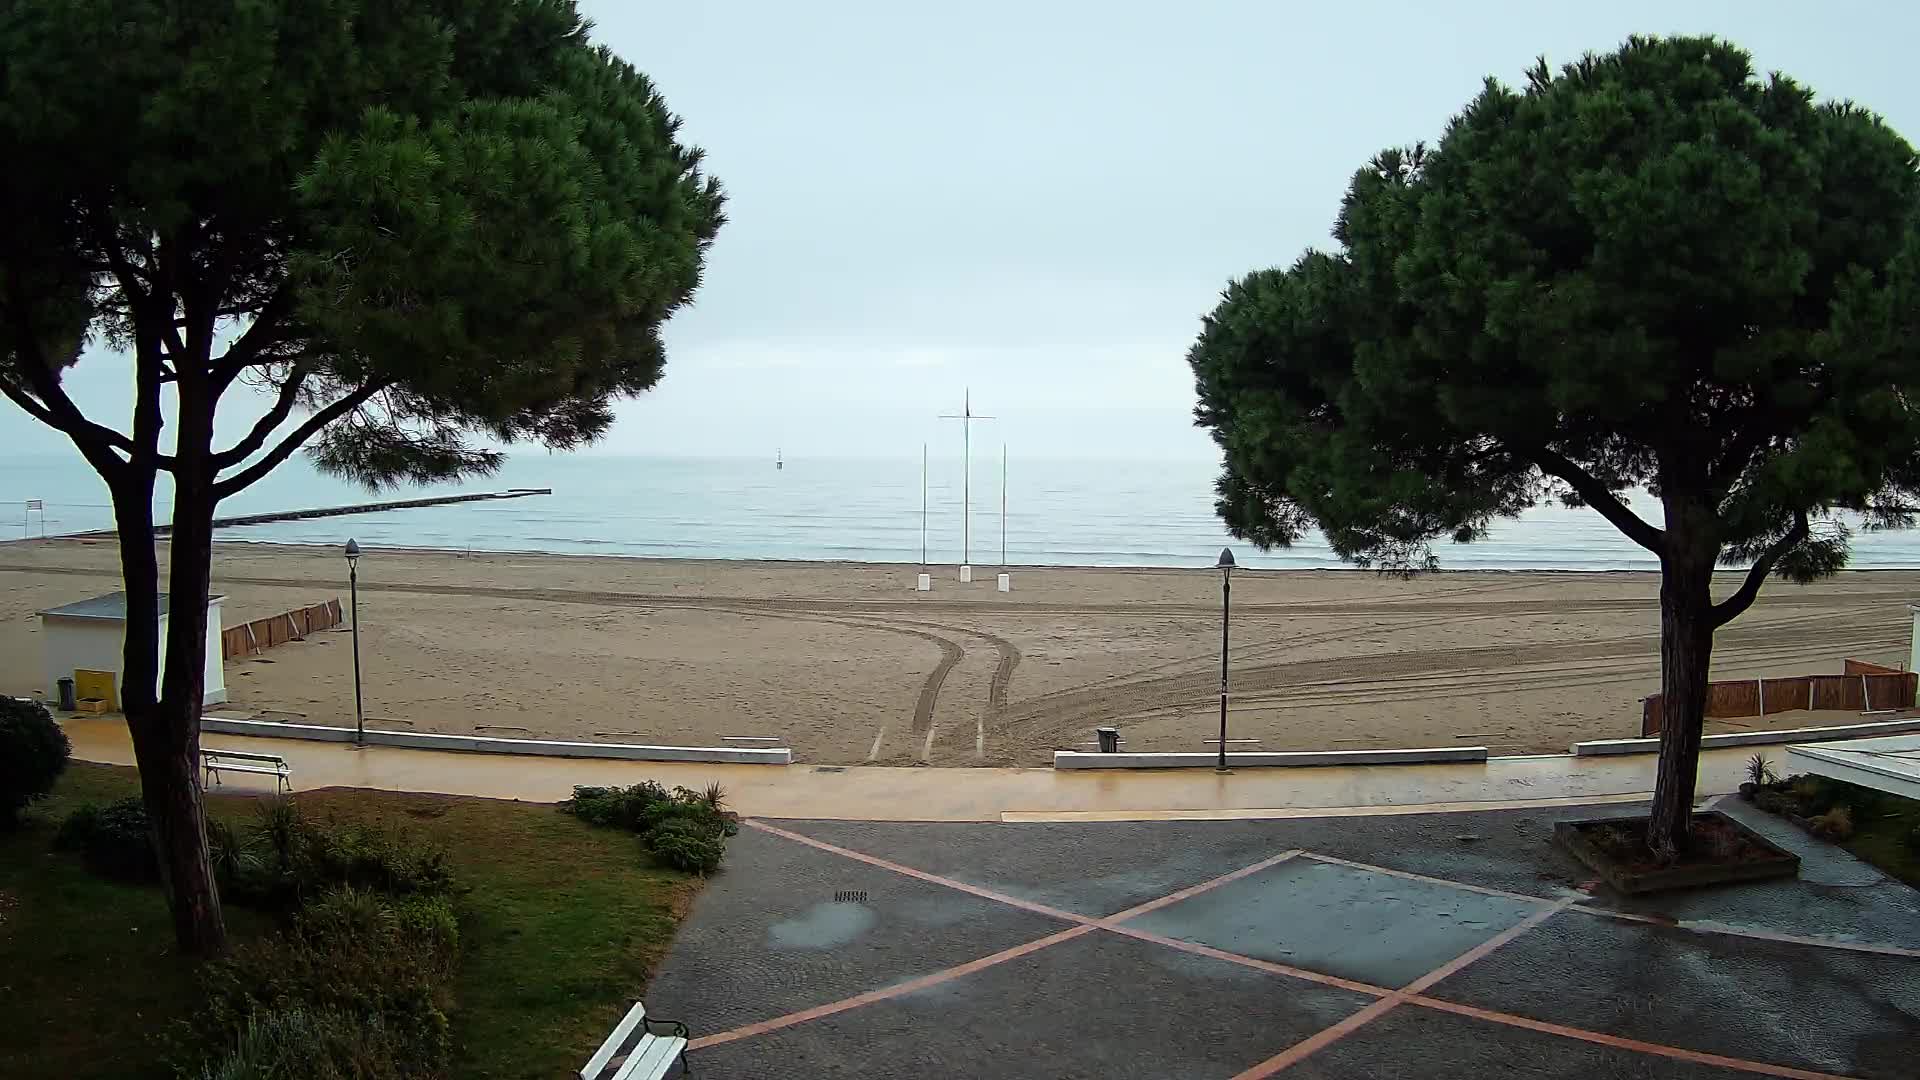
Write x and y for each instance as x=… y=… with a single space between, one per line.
x=966 y=417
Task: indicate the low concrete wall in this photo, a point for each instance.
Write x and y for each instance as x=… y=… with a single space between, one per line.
x=1265 y=759
x=1754 y=738
x=477 y=744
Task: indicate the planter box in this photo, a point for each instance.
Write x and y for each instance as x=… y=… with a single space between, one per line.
x=1571 y=836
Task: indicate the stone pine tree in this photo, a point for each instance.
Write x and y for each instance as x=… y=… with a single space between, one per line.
x=1651 y=270
x=400 y=234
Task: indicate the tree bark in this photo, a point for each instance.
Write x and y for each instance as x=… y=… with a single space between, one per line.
x=170 y=761
x=1686 y=657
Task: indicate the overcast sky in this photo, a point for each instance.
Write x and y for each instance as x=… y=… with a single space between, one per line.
x=1040 y=200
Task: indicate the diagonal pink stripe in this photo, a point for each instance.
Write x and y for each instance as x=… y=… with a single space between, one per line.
x=1412 y=993
x=1320 y=1040
x=936 y=879
x=1599 y=1038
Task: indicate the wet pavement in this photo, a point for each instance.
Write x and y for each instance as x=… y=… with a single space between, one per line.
x=1413 y=946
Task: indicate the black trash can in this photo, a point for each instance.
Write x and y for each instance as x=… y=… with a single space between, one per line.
x=67 y=701
x=1109 y=739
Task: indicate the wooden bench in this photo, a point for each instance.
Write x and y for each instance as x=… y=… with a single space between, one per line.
x=216 y=762
x=648 y=1057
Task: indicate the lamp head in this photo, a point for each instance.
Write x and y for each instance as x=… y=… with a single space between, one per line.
x=353 y=550
x=1226 y=563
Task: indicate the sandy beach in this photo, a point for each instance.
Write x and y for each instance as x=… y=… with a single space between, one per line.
x=847 y=664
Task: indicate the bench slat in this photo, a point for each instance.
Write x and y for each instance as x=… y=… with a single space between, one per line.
x=614 y=1042
x=242 y=755
x=652 y=1058
x=264 y=770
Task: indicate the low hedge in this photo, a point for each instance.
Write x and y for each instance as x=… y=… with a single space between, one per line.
x=683 y=828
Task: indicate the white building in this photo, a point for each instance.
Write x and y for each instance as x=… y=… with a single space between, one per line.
x=90 y=635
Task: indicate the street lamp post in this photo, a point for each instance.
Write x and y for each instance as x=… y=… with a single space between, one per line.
x=353 y=588
x=1225 y=566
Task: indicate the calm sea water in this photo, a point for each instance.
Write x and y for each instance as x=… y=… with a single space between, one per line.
x=1061 y=513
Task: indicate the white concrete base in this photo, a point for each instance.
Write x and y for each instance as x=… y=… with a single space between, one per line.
x=966 y=573
x=422 y=740
x=1005 y=582
x=923 y=583
x=1891 y=765
x=1263 y=759
x=1754 y=738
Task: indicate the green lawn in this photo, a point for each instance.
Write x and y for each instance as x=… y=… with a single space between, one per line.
x=561 y=923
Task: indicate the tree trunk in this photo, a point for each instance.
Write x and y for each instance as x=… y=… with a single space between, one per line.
x=1686 y=655
x=177 y=809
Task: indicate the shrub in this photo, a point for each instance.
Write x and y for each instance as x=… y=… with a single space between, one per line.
x=299 y=858
x=1760 y=771
x=298 y=1044
x=616 y=808
x=379 y=964
x=1835 y=824
x=369 y=858
x=233 y=856
x=682 y=828
x=688 y=844
x=114 y=840
x=33 y=754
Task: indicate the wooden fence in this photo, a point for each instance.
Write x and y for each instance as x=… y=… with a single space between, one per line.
x=1865 y=687
x=258 y=636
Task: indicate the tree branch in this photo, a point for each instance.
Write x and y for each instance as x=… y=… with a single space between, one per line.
x=264 y=427
x=55 y=408
x=259 y=334
x=241 y=480
x=1727 y=610
x=1596 y=495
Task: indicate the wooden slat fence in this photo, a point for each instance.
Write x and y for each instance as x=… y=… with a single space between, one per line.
x=1865 y=687
x=256 y=637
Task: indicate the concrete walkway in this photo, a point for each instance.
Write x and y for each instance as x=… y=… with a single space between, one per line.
x=871 y=793
x=1415 y=947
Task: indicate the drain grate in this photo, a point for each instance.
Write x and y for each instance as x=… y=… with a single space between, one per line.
x=850 y=896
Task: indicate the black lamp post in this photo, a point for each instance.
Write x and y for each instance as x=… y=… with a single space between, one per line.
x=1225 y=566
x=353 y=588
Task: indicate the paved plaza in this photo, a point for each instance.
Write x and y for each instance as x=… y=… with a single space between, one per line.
x=1411 y=946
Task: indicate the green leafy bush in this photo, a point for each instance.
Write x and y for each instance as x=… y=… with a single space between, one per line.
x=299 y=1044
x=682 y=828
x=383 y=965
x=114 y=840
x=296 y=858
x=688 y=845
x=616 y=808
x=33 y=754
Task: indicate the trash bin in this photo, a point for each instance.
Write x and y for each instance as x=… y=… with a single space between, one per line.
x=67 y=702
x=1109 y=739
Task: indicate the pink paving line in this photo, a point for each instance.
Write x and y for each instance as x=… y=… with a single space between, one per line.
x=1635 y=1045
x=936 y=879
x=1267 y=966
x=1390 y=872
x=1085 y=925
x=1326 y=1037
x=1628 y=916
x=1757 y=935
x=1196 y=890
x=908 y=987
x=1411 y=994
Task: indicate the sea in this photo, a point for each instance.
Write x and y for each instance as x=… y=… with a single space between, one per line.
x=1023 y=512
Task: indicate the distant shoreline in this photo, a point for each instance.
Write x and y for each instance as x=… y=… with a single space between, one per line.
x=983 y=568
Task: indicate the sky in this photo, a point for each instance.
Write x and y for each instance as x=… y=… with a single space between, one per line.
x=1039 y=201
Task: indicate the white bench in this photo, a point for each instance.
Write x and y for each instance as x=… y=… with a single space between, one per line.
x=648 y=1057
x=216 y=762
